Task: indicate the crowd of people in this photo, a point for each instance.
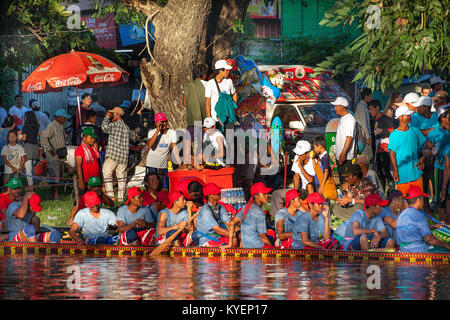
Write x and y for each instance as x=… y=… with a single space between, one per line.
x=385 y=159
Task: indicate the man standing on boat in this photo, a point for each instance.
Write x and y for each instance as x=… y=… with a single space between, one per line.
x=93 y=221
x=365 y=229
x=135 y=222
x=413 y=233
x=312 y=229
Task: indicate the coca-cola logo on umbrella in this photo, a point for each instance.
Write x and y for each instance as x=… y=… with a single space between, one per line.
x=45 y=66
x=34 y=87
x=72 y=81
x=105 y=77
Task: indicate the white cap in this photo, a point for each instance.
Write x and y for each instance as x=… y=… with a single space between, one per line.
x=302 y=147
x=209 y=122
x=423 y=101
x=442 y=110
x=411 y=97
x=340 y=101
x=222 y=64
x=35 y=104
x=403 y=111
x=434 y=80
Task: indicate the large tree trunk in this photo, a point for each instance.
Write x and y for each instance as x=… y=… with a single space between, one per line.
x=187 y=32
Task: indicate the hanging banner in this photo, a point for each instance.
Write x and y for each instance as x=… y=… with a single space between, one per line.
x=132 y=34
x=104 y=29
x=267 y=9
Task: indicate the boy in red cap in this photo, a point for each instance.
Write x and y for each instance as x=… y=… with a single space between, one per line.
x=312 y=229
x=413 y=232
x=365 y=229
x=212 y=219
x=286 y=217
x=171 y=218
x=253 y=219
x=135 y=222
x=93 y=221
x=19 y=221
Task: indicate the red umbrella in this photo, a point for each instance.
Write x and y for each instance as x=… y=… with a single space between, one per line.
x=74 y=69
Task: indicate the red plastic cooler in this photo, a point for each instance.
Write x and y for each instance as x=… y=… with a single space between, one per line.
x=222 y=177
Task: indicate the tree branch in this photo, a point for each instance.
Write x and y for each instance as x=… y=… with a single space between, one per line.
x=147 y=7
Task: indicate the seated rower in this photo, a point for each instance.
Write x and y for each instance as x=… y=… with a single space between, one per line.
x=312 y=229
x=162 y=202
x=19 y=221
x=286 y=217
x=192 y=190
x=170 y=219
x=94 y=184
x=212 y=219
x=413 y=233
x=253 y=219
x=366 y=226
x=135 y=222
x=93 y=221
x=150 y=194
x=391 y=212
x=13 y=193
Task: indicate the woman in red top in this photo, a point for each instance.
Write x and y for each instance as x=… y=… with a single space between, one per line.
x=87 y=159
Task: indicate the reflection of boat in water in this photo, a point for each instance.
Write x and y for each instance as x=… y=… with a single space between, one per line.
x=24 y=248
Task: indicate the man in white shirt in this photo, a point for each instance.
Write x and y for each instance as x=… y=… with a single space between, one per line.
x=345 y=142
x=303 y=166
x=160 y=141
x=221 y=74
x=19 y=110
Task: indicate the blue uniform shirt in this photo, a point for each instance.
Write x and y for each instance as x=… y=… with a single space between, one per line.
x=305 y=223
x=364 y=223
x=289 y=220
x=254 y=225
x=14 y=224
x=412 y=227
x=386 y=212
x=206 y=221
x=153 y=212
x=440 y=138
x=406 y=145
x=172 y=218
x=445 y=152
x=125 y=215
x=95 y=227
x=422 y=123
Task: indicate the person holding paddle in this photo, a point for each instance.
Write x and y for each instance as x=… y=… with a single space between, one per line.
x=172 y=218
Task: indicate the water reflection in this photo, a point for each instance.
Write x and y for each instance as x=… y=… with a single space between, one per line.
x=188 y=278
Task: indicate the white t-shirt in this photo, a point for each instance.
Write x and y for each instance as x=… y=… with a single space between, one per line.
x=158 y=156
x=213 y=137
x=346 y=128
x=309 y=168
x=226 y=85
x=14 y=155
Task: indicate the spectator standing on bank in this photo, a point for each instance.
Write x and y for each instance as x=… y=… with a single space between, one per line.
x=87 y=159
x=42 y=118
x=116 y=157
x=19 y=110
x=3 y=113
x=30 y=144
x=362 y=117
x=86 y=101
x=436 y=83
x=13 y=156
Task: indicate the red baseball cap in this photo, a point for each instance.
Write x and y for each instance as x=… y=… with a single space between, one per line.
x=374 y=199
x=35 y=203
x=133 y=192
x=163 y=196
x=414 y=192
x=91 y=199
x=174 y=196
x=210 y=188
x=259 y=187
x=290 y=195
x=315 y=197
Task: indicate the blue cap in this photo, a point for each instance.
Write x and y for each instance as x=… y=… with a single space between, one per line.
x=62 y=113
x=125 y=104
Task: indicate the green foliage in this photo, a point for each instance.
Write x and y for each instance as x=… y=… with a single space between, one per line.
x=122 y=14
x=410 y=37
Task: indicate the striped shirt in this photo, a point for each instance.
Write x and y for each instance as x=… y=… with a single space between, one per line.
x=118 y=140
x=53 y=138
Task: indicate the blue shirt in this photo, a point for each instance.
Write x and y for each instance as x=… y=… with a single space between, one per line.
x=446 y=152
x=386 y=212
x=288 y=219
x=314 y=229
x=440 y=138
x=172 y=218
x=153 y=212
x=206 y=221
x=14 y=224
x=412 y=227
x=406 y=145
x=364 y=223
x=254 y=225
x=420 y=122
x=128 y=217
x=95 y=227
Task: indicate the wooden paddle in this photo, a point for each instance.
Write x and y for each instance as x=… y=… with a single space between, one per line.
x=169 y=240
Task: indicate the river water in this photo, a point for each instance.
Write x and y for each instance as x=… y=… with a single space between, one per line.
x=192 y=278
